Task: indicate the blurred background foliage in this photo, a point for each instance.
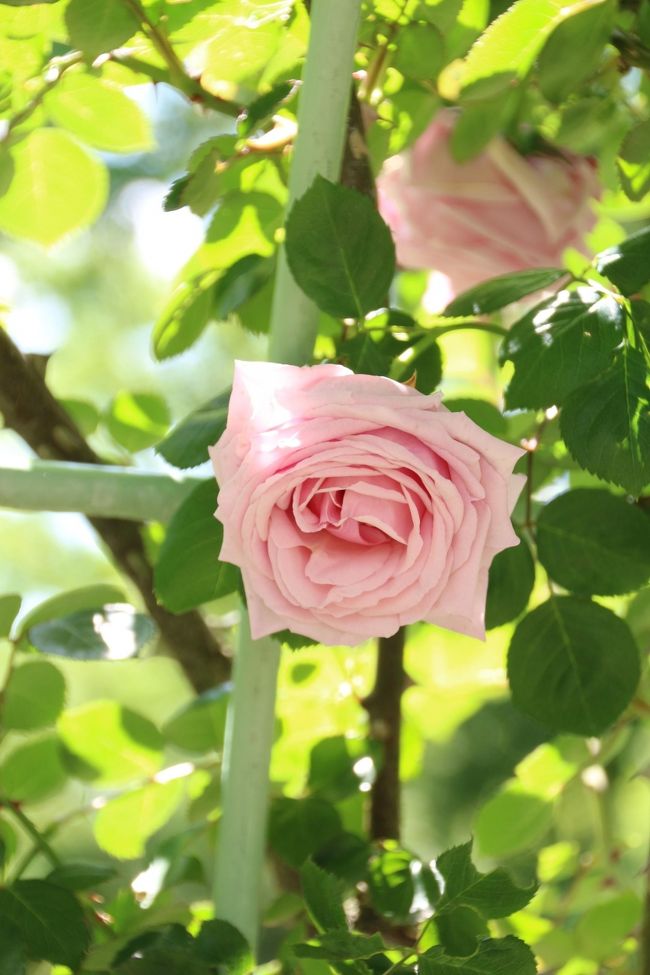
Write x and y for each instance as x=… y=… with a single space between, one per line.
x=575 y=809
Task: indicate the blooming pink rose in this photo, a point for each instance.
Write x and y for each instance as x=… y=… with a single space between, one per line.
x=500 y=212
x=354 y=504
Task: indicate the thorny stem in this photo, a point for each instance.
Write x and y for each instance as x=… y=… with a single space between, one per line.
x=383 y=705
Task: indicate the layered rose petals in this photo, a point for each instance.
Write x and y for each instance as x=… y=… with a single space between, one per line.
x=354 y=504
x=497 y=213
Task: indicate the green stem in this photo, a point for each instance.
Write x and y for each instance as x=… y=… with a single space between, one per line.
x=32 y=830
x=92 y=489
x=294 y=325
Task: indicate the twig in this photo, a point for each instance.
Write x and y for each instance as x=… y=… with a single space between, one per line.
x=53 y=73
x=30 y=409
x=178 y=75
x=383 y=705
x=29 y=827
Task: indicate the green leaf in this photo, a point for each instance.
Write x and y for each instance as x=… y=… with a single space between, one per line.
x=503 y=290
x=33 y=771
x=244 y=279
x=200 y=725
x=391 y=882
x=492 y=894
x=187 y=444
x=219 y=943
x=573 y=665
x=339 y=250
x=482 y=412
x=184 y=318
x=9 y=609
x=460 y=930
x=502 y=956
x=606 y=423
x=626 y=264
x=510 y=45
x=512 y=821
x=510 y=583
x=137 y=420
x=34 y=696
x=323 y=895
x=81 y=876
x=50 y=920
x=65 y=603
x=420 y=53
x=99 y=113
x=8 y=846
x=591 y=542
x=342 y=946
x=603 y=927
x=560 y=73
x=188 y=571
x=53 y=187
x=12 y=953
x=424 y=360
x=98 y=26
x=113 y=632
x=299 y=827
x=633 y=161
x=367 y=355
x=560 y=346
x=479 y=122
x=85 y=415
x=123 y=826
x=119 y=744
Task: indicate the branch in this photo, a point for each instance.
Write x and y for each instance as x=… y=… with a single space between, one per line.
x=356 y=171
x=32 y=411
x=383 y=705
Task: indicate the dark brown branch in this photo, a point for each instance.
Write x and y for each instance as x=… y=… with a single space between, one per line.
x=383 y=705
x=30 y=409
x=356 y=171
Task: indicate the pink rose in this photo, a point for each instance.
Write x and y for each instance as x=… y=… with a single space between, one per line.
x=500 y=212
x=354 y=504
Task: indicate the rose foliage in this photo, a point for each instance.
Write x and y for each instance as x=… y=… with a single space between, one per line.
x=497 y=148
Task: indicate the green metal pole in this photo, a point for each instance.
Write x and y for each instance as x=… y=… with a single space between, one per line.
x=93 y=489
x=294 y=324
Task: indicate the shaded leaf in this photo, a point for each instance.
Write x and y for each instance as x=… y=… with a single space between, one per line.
x=560 y=346
x=503 y=290
x=606 y=423
x=492 y=894
x=34 y=696
x=188 y=571
x=626 y=264
x=592 y=542
x=510 y=584
x=339 y=250
x=113 y=632
x=502 y=956
x=573 y=665
x=187 y=444
x=118 y=743
x=323 y=895
x=50 y=920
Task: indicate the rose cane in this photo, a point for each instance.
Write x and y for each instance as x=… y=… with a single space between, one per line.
x=497 y=213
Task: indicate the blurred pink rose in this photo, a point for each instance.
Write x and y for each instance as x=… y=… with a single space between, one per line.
x=354 y=504
x=500 y=212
